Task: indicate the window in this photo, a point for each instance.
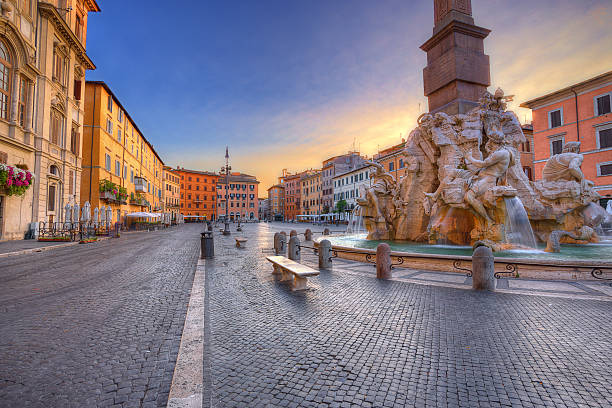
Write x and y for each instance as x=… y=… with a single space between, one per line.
x=526 y=146
x=604 y=169
x=117 y=168
x=124 y=172
x=107 y=162
x=109 y=103
x=74 y=139
x=77 y=90
x=391 y=166
x=71 y=182
x=79 y=26
x=109 y=126
x=602 y=104
x=51 y=198
x=119 y=135
x=555 y=118
x=131 y=175
x=55 y=128
x=120 y=116
x=58 y=66
x=604 y=138
x=23 y=100
x=5 y=80
x=527 y=171
x=556 y=146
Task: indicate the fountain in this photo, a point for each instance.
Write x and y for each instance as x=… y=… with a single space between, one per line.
x=464 y=184
x=355 y=223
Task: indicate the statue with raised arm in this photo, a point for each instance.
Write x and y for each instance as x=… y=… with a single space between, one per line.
x=383 y=184
x=490 y=172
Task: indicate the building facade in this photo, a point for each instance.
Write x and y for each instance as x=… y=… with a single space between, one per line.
x=198 y=194
x=393 y=160
x=312 y=198
x=172 y=192
x=351 y=185
x=121 y=169
x=276 y=202
x=293 y=194
x=241 y=192
x=578 y=113
x=264 y=209
x=42 y=70
x=329 y=169
x=526 y=150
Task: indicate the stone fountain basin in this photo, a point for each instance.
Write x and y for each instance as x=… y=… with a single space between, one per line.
x=531 y=264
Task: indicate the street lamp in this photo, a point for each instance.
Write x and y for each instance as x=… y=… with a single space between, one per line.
x=226 y=169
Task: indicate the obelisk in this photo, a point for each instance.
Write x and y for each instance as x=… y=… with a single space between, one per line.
x=457 y=71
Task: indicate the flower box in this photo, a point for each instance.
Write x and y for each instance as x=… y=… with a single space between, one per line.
x=54 y=239
x=108 y=196
x=88 y=240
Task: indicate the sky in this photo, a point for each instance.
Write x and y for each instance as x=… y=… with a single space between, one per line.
x=288 y=83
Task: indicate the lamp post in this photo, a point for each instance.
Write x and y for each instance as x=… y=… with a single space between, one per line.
x=226 y=169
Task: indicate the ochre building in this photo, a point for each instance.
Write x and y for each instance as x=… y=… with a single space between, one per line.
x=242 y=194
x=120 y=166
x=172 y=192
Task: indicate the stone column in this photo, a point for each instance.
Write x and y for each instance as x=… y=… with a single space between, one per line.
x=29 y=107
x=326 y=231
x=282 y=245
x=294 y=249
x=325 y=254
x=483 y=269
x=293 y=233
x=383 y=261
x=14 y=96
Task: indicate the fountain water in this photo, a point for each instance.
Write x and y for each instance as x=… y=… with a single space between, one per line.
x=355 y=225
x=518 y=227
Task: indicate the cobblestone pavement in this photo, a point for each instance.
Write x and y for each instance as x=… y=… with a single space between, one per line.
x=25 y=244
x=352 y=340
x=97 y=324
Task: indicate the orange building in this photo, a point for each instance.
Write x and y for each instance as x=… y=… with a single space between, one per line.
x=312 y=199
x=293 y=194
x=243 y=197
x=393 y=160
x=172 y=192
x=198 y=194
x=578 y=113
x=276 y=202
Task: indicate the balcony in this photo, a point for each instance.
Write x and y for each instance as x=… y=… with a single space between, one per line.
x=140 y=184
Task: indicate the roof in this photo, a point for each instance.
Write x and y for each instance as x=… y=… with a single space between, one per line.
x=110 y=92
x=568 y=91
x=92 y=5
x=247 y=178
x=206 y=173
x=364 y=166
x=276 y=186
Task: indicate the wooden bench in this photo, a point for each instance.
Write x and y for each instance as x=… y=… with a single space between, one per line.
x=240 y=242
x=285 y=267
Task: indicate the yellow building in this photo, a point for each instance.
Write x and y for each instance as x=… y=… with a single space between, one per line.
x=172 y=192
x=312 y=199
x=120 y=167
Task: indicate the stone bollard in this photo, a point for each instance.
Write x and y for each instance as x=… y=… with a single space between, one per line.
x=282 y=244
x=325 y=254
x=326 y=231
x=308 y=235
x=292 y=234
x=383 y=261
x=276 y=243
x=483 y=269
x=294 y=249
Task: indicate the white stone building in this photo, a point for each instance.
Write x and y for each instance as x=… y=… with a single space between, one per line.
x=351 y=185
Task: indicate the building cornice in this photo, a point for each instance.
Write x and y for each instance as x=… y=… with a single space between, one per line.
x=568 y=92
x=49 y=11
x=455 y=26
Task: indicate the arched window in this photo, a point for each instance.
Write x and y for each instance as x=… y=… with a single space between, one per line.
x=5 y=81
x=53 y=170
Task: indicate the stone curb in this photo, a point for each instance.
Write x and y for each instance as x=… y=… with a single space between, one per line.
x=188 y=381
x=45 y=248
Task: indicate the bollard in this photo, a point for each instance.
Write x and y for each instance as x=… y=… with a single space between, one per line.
x=294 y=249
x=207 y=246
x=483 y=269
x=308 y=235
x=325 y=261
x=276 y=244
x=383 y=261
x=282 y=244
x=293 y=233
x=326 y=231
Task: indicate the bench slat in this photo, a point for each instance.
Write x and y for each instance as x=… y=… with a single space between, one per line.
x=292 y=266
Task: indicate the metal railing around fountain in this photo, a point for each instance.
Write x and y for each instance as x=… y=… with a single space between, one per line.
x=511 y=269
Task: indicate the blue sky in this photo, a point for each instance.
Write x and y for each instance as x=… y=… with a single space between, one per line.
x=288 y=83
